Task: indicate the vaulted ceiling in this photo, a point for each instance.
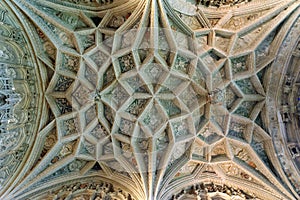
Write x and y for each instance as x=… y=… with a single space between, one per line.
x=149 y=99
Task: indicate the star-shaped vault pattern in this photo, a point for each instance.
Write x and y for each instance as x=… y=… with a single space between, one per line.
x=152 y=100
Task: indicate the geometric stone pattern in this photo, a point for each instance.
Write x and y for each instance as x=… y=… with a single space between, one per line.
x=150 y=100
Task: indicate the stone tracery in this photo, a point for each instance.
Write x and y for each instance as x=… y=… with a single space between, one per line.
x=159 y=106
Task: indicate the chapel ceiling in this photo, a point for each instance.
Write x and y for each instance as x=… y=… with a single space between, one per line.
x=149 y=99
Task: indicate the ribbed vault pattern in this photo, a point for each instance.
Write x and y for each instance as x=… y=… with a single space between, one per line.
x=157 y=99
